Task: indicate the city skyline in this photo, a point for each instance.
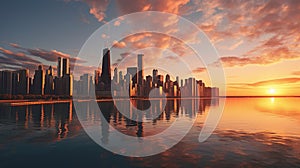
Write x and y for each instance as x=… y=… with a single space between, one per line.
x=14 y=84
x=258 y=49
x=133 y=83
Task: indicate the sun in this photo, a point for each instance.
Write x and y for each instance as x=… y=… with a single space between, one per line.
x=271 y=91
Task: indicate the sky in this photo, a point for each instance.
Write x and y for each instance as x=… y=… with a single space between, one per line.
x=258 y=42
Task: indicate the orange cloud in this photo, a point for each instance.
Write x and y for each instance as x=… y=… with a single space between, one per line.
x=249 y=21
x=280 y=81
x=199 y=70
x=296 y=73
x=263 y=57
x=98 y=8
x=17 y=56
x=234 y=46
x=152 y=40
x=117 y=44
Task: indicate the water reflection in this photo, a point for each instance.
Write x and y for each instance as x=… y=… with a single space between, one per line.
x=57 y=121
x=52 y=121
x=134 y=123
x=276 y=115
x=254 y=132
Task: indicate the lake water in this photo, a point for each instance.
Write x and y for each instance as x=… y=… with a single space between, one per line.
x=253 y=132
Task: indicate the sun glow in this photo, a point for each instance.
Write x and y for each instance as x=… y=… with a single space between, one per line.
x=271 y=91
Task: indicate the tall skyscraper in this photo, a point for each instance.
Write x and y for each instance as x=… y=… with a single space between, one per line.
x=84 y=84
x=140 y=71
x=181 y=83
x=106 y=72
x=38 y=81
x=15 y=82
x=133 y=72
x=121 y=80
x=115 y=77
x=167 y=83
x=160 y=80
x=59 y=67
x=63 y=67
x=63 y=83
x=6 y=83
x=154 y=75
x=140 y=76
x=49 y=82
x=66 y=66
x=23 y=81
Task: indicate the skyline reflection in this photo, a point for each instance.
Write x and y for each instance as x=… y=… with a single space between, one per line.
x=59 y=120
x=251 y=131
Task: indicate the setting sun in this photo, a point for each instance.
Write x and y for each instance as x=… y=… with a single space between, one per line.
x=271 y=91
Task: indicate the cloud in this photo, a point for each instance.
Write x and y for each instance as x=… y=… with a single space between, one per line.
x=98 y=8
x=52 y=55
x=82 y=69
x=125 y=54
x=117 y=44
x=171 y=57
x=271 y=25
x=296 y=73
x=14 y=45
x=18 y=56
x=164 y=46
x=47 y=55
x=199 y=70
x=157 y=40
x=264 y=57
x=234 y=46
x=11 y=61
x=27 y=58
x=220 y=19
x=280 y=81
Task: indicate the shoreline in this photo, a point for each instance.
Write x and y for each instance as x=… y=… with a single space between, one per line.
x=13 y=102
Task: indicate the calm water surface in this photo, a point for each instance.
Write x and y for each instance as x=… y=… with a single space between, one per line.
x=253 y=132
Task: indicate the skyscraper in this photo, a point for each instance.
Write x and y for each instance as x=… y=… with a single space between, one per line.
x=121 y=80
x=49 y=83
x=59 y=67
x=15 y=82
x=23 y=81
x=38 y=81
x=6 y=82
x=140 y=71
x=66 y=66
x=63 y=83
x=140 y=76
x=63 y=67
x=84 y=84
x=133 y=72
x=106 y=72
x=154 y=75
x=115 y=77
